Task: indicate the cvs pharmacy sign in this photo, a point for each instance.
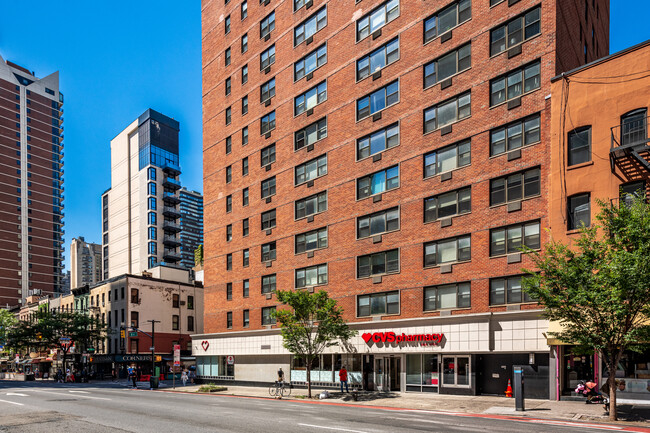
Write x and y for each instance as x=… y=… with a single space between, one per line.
x=393 y=338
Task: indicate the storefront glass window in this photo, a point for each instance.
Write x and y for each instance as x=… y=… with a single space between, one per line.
x=430 y=370
x=413 y=370
x=632 y=375
x=448 y=371
x=462 y=373
x=455 y=370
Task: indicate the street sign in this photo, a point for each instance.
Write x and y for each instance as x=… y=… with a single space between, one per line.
x=231 y=360
x=152 y=348
x=177 y=355
x=91 y=350
x=133 y=334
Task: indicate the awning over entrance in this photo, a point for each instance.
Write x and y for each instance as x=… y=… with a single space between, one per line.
x=555 y=326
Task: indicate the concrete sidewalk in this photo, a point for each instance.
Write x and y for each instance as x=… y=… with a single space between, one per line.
x=564 y=410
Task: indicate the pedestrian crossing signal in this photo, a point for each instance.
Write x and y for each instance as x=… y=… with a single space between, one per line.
x=122 y=333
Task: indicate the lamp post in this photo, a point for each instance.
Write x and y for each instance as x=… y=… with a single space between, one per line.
x=153 y=348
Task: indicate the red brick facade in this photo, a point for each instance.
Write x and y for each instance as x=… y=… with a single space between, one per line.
x=343 y=169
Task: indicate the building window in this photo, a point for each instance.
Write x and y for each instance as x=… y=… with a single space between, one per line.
x=228 y=115
x=515 y=84
x=508 y=291
x=378 y=182
x=245 y=289
x=267 y=90
x=229 y=174
x=175 y=323
x=229 y=262
x=244 y=166
x=229 y=291
x=378 y=100
x=631 y=190
x=228 y=144
x=311 y=170
x=579 y=210
x=311 y=205
x=268 y=251
x=152 y=248
x=190 y=302
x=378 y=59
x=310 y=134
x=245 y=258
x=152 y=218
x=385 y=262
x=515 y=31
x=447 y=112
x=447 y=159
x=227 y=24
x=448 y=251
x=268 y=187
x=268 y=283
x=246 y=319
x=228 y=85
x=267 y=25
x=227 y=56
x=377 y=19
x=244 y=225
x=152 y=263
x=267 y=58
x=152 y=188
x=447 y=205
x=313 y=240
x=310 y=62
x=229 y=320
x=244 y=105
x=228 y=232
x=267 y=316
x=135 y=322
x=244 y=10
x=267 y=155
x=152 y=203
x=244 y=136
x=151 y=174
x=229 y=203
x=580 y=145
x=245 y=197
x=456 y=371
x=244 y=74
x=190 y=323
x=378 y=223
x=515 y=135
x=634 y=127
x=175 y=301
x=378 y=304
x=448 y=65
x=268 y=220
x=311 y=276
x=267 y=123
x=244 y=43
x=508 y=240
x=310 y=99
x=152 y=234
x=447 y=19
x=378 y=141
x=310 y=26
x=447 y=296
x=516 y=186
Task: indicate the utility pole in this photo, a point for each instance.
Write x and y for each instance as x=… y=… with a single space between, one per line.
x=153 y=347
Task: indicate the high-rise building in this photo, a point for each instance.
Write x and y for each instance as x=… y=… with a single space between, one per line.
x=31 y=185
x=395 y=154
x=85 y=263
x=140 y=210
x=191 y=208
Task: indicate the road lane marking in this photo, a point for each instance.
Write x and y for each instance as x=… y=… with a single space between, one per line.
x=64 y=394
x=80 y=392
x=331 y=428
x=18 y=394
x=12 y=402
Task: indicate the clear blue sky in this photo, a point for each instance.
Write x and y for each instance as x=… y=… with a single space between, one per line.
x=117 y=58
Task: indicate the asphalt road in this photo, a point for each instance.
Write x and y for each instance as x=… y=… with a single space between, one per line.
x=34 y=407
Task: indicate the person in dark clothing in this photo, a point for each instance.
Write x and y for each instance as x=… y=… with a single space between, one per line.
x=280 y=375
x=133 y=376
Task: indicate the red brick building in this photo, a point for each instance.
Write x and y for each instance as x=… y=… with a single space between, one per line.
x=395 y=154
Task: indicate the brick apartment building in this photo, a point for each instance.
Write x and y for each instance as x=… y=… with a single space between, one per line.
x=31 y=184
x=394 y=153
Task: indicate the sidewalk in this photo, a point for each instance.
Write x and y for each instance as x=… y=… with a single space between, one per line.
x=638 y=415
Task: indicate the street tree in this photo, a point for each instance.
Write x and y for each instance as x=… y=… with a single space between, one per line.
x=312 y=323
x=599 y=287
x=7 y=321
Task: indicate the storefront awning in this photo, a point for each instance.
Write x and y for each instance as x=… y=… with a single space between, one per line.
x=183 y=358
x=555 y=326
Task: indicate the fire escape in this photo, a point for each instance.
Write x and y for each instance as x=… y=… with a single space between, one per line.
x=629 y=150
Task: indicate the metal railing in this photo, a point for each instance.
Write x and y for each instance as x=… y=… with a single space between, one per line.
x=632 y=131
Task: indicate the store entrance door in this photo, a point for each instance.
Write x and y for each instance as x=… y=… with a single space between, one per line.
x=388 y=373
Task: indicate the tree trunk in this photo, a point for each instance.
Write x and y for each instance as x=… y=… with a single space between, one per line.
x=613 y=416
x=309 y=379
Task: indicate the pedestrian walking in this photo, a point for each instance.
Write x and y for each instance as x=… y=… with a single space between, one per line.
x=133 y=376
x=343 y=377
x=192 y=376
x=184 y=377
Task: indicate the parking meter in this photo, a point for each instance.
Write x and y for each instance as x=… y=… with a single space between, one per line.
x=518 y=387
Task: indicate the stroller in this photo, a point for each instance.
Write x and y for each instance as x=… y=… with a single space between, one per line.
x=590 y=390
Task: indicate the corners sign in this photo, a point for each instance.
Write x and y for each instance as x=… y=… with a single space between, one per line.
x=393 y=338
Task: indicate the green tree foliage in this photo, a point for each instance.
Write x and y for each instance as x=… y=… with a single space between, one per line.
x=7 y=321
x=599 y=288
x=313 y=323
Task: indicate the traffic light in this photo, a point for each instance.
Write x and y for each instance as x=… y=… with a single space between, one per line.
x=122 y=333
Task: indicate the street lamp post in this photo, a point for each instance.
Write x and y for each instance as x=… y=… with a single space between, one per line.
x=153 y=347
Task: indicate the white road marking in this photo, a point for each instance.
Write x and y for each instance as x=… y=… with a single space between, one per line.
x=81 y=392
x=331 y=428
x=63 y=394
x=18 y=394
x=12 y=402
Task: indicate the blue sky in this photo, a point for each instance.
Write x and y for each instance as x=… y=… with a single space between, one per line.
x=117 y=58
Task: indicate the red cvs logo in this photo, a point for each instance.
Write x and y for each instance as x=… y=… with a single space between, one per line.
x=391 y=337
x=205 y=344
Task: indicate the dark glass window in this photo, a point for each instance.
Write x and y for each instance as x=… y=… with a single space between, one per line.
x=378 y=223
x=447 y=159
x=244 y=198
x=448 y=65
x=378 y=304
x=378 y=141
x=515 y=135
x=508 y=240
x=268 y=220
x=310 y=26
x=309 y=99
x=310 y=62
x=229 y=291
x=447 y=112
x=515 y=187
x=267 y=25
x=268 y=251
x=580 y=145
x=311 y=170
x=268 y=283
x=268 y=187
x=446 y=19
x=515 y=31
x=448 y=251
x=508 y=290
x=267 y=58
x=448 y=204
x=377 y=19
x=310 y=134
x=378 y=59
x=229 y=203
x=385 y=262
x=267 y=316
x=377 y=183
x=245 y=227
x=267 y=90
x=267 y=123
x=579 y=211
x=515 y=83
x=313 y=240
x=378 y=100
x=311 y=276
x=447 y=296
x=311 y=205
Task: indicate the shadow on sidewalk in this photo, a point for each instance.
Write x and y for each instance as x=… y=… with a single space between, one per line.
x=630 y=412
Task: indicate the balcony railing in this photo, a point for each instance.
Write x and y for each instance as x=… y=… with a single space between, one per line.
x=169 y=167
x=169 y=182
x=171 y=197
x=170 y=226
x=171 y=211
x=631 y=132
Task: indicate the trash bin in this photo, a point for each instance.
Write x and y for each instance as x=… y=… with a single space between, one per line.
x=153 y=381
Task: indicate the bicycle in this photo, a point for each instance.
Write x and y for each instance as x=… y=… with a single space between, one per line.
x=280 y=389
